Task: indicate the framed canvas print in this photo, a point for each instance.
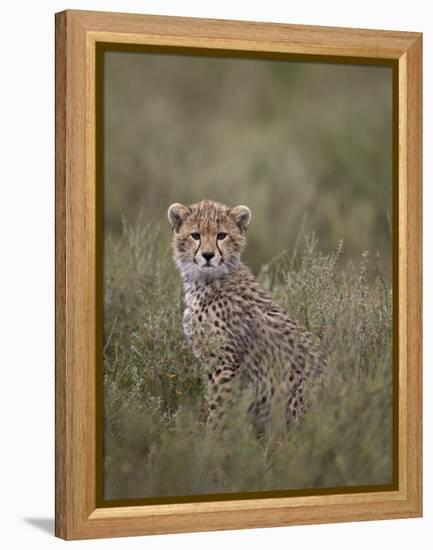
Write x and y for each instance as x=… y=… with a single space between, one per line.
x=238 y=274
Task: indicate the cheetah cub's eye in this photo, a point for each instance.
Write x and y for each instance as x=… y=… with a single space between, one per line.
x=221 y=236
x=195 y=236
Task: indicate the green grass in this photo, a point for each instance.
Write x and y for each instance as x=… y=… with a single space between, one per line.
x=156 y=441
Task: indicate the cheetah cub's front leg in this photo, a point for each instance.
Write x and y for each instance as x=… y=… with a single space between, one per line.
x=223 y=387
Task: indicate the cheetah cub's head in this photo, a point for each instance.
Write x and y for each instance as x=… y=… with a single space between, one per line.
x=208 y=238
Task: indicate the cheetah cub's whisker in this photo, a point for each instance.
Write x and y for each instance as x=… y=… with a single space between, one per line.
x=239 y=335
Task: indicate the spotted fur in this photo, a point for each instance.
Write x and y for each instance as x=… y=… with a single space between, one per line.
x=241 y=337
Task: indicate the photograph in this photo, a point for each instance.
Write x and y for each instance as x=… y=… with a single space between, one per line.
x=213 y=275
x=248 y=326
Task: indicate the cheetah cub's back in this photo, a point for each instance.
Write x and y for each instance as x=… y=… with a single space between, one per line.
x=240 y=336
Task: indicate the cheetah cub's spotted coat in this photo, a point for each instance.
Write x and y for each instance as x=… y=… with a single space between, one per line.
x=240 y=336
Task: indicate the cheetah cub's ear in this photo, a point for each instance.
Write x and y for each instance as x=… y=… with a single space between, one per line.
x=242 y=216
x=176 y=215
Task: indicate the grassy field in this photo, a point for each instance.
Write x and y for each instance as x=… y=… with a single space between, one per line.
x=156 y=441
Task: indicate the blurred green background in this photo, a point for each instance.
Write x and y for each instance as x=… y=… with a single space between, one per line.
x=307 y=146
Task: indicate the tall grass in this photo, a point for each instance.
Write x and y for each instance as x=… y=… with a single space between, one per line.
x=156 y=441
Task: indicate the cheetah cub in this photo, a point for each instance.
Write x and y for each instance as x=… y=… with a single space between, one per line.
x=242 y=339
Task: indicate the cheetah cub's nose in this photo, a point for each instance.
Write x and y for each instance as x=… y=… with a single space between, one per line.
x=208 y=256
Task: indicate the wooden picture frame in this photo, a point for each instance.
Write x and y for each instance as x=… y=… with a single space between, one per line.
x=78 y=36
